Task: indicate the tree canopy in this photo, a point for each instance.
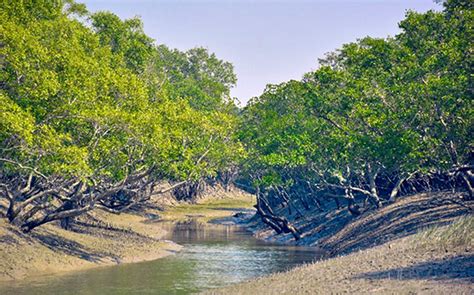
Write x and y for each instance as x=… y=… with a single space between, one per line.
x=375 y=114
x=93 y=113
x=92 y=108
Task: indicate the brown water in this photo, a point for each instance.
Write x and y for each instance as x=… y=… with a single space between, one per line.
x=213 y=256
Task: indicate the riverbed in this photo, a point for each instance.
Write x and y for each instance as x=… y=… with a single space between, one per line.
x=213 y=256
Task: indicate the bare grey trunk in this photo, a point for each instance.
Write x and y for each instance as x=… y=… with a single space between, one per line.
x=277 y=223
x=374 y=197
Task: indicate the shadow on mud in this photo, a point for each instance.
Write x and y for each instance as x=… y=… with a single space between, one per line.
x=459 y=267
x=340 y=233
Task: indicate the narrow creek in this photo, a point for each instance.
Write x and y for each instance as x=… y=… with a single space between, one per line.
x=213 y=256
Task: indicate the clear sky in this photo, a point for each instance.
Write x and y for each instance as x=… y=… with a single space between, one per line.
x=267 y=41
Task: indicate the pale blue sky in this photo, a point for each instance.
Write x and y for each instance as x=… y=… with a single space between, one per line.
x=267 y=41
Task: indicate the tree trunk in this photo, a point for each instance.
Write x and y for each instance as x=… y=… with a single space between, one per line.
x=318 y=204
x=374 y=197
x=467 y=181
x=396 y=190
x=353 y=208
x=30 y=213
x=279 y=224
x=305 y=203
x=11 y=212
x=66 y=222
x=27 y=227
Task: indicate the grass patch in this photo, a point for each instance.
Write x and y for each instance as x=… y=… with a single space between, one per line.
x=209 y=208
x=458 y=234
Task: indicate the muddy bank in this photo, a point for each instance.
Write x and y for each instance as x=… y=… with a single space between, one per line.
x=421 y=244
x=338 y=232
x=432 y=262
x=102 y=239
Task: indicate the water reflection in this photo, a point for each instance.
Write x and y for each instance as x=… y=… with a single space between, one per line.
x=213 y=256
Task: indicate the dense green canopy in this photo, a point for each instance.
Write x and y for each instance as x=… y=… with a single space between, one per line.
x=90 y=104
x=93 y=114
x=376 y=113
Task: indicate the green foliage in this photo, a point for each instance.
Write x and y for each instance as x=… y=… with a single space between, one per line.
x=126 y=39
x=89 y=98
x=101 y=101
x=15 y=123
x=195 y=76
x=396 y=106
